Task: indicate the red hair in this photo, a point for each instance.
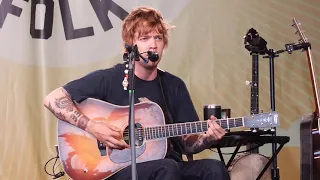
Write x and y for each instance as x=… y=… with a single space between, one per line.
x=144 y=20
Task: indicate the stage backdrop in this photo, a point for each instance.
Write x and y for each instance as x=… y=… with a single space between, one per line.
x=44 y=44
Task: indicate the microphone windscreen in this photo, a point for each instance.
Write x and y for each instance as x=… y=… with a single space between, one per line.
x=153 y=56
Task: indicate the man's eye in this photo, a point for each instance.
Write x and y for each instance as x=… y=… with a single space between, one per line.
x=143 y=39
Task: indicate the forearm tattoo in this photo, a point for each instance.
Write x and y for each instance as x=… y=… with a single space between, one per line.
x=59 y=115
x=83 y=122
x=75 y=115
x=64 y=103
x=195 y=143
x=64 y=109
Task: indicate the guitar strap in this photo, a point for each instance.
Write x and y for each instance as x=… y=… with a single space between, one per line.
x=177 y=141
x=164 y=95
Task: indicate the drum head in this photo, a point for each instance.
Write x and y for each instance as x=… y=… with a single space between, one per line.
x=248 y=167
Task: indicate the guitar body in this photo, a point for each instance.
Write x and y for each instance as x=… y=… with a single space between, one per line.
x=79 y=151
x=310 y=148
x=84 y=157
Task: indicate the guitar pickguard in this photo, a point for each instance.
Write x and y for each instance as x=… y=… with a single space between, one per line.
x=122 y=156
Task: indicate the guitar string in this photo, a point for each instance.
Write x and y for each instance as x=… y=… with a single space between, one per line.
x=159 y=130
x=194 y=126
x=184 y=126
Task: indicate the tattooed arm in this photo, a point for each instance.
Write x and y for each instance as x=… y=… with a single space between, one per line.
x=60 y=104
x=197 y=143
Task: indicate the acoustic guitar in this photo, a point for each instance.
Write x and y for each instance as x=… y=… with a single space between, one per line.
x=84 y=158
x=309 y=125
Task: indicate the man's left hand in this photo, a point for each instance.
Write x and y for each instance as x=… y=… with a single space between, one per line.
x=215 y=132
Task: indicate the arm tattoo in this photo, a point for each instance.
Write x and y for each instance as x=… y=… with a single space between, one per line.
x=64 y=109
x=75 y=115
x=50 y=108
x=64 y=103
x=83 y=122
x=58 y=115
x=195 y=143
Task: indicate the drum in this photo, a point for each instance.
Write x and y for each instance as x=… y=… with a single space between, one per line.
x=249 y=166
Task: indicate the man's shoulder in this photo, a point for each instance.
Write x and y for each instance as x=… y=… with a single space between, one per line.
x=110 y=70
x=173 y=79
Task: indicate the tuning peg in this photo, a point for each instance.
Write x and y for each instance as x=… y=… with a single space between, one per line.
x=248 y=83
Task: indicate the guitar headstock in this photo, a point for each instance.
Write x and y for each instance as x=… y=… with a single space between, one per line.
x=262 y=120
x=299 y=31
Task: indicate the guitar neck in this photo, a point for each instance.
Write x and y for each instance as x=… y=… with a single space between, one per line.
x=180 y=129
x=254 y=109
x=314 y=83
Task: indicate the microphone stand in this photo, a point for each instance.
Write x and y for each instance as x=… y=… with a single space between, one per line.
x=132 y=55
x=275 y=174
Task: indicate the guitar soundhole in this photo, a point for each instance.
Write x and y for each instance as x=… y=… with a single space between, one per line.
x=139 y=135
x=139 y=139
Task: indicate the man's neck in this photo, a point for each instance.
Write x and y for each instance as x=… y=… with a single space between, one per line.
x=145 y=74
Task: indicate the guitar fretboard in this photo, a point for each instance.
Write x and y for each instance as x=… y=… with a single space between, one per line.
x=173 y=130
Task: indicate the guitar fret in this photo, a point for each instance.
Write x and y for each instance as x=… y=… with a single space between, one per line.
x=228 y=123
x=163 y=132
x=175 y=130
x=146 y=134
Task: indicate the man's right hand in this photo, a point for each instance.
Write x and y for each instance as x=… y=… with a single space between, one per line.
x=106 y=133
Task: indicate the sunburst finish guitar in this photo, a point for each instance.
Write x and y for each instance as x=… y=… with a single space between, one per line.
x=83 y=157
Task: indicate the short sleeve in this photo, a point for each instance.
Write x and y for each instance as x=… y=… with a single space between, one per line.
x=93 y=85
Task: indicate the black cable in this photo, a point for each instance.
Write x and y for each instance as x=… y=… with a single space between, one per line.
x=45 y=166
x=54 y=165
x=55 y=176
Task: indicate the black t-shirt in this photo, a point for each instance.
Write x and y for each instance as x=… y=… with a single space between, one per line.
x=106 y=85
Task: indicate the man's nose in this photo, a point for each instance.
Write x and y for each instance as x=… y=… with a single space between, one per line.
x=153 y=43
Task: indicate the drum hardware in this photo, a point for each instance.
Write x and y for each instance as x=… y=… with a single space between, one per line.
x=242 y=138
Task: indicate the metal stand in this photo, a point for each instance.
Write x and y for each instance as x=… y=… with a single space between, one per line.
x=275 y=174
x=131 y=57
x=259 y=45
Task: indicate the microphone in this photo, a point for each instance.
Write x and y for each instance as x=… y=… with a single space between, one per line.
x=153 y=56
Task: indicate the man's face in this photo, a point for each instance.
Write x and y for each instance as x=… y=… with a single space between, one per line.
x=150 y=42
